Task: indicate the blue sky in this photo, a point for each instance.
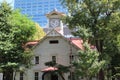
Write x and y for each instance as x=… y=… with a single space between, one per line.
x=9 y=1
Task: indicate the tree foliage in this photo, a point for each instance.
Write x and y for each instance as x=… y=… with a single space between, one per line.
x=87 y=63
x=15 y=30
x=39 y=34
x=24 y=26
x=94 y=14
x=102 y=17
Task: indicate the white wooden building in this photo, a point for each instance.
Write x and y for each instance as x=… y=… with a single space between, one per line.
x=54 y=46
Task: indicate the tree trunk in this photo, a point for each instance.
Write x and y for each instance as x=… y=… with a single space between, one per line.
x=8 y=74
x=101 y=75
x=99 y=45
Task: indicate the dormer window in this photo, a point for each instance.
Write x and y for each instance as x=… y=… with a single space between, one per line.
x=53 y=41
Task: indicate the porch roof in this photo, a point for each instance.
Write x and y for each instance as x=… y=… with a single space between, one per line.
x=49 y=69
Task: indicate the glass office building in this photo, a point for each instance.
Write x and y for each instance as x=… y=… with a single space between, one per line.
x=38 y=8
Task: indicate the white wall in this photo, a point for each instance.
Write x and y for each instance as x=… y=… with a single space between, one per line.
x=45 y=51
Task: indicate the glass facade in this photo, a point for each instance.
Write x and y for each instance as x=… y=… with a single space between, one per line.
x=38 y=8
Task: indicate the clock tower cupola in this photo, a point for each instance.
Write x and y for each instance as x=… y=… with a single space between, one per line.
x=54 y=20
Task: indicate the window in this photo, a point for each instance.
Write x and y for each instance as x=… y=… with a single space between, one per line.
x=54 y=59
x=53 y=41
x=21 y=75
x=71 y=58
x=36 y=59
x=36 y=76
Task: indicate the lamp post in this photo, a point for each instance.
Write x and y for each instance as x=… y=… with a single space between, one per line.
x=72 y=69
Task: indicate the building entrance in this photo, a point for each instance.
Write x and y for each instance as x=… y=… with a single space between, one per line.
x=50 y=76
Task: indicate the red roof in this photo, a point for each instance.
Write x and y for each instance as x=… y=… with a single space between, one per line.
x=49 y=69
x=30 y=43
x=77 y=41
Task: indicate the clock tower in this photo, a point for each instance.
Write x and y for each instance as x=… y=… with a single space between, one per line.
x=54 y=20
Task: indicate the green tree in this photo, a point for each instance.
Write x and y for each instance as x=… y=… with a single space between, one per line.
x=87 y=63
x=15 y=30
x=39 y=34
x=102 y=17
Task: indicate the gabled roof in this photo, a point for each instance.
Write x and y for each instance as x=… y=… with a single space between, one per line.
x=77 y=42
x=53 y=33
x=66 y=31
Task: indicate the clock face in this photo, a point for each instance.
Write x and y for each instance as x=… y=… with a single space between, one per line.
x=54 y=23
